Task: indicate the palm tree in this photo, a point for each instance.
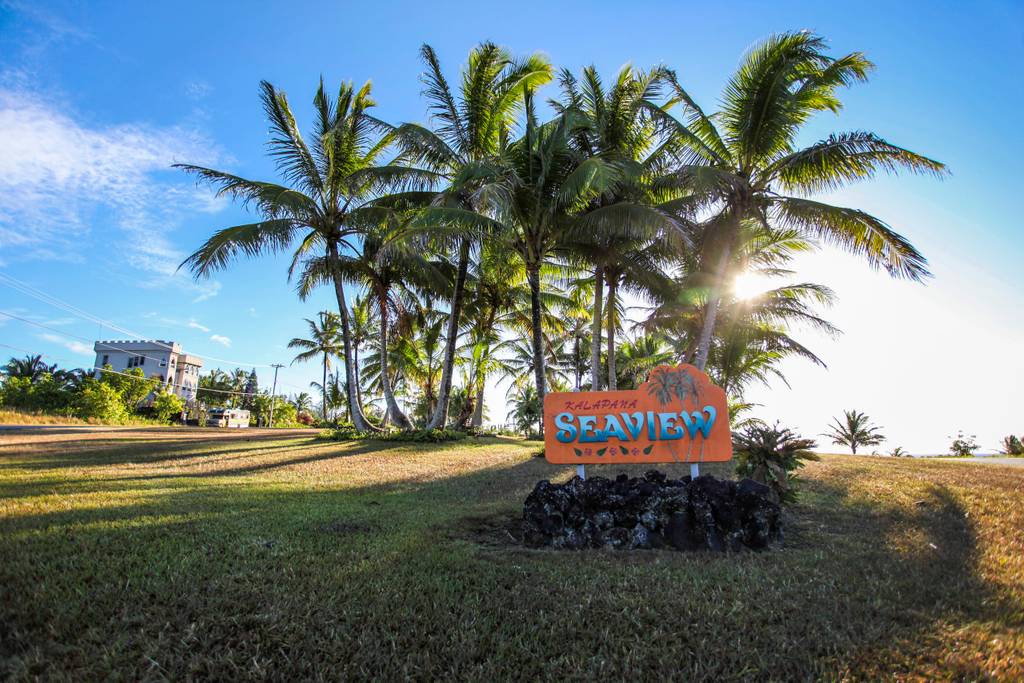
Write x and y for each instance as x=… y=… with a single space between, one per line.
x=751 y=337
x=469 y=129
x=324 y=340
x=303 y=403
x=30 y=367
x=363 y=329
x=743 y=162
x=527 y=410
x=392 y=268
x=619 y=137
x=855 y=430
x=637 y=357
x=322 y=203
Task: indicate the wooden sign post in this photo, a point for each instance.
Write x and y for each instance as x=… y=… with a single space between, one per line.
x=677 y=415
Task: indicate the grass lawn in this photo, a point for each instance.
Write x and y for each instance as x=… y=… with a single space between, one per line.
x=159 y=554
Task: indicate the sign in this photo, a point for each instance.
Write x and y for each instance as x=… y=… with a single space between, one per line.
x=677 y=415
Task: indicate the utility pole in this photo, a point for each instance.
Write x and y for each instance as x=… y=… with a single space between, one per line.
x=273 y=393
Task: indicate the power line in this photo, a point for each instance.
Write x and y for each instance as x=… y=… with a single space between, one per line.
x=40 y=295
x=113 y=347
x=129 y=375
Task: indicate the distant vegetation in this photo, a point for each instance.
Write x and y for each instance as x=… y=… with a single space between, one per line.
x=854 y=430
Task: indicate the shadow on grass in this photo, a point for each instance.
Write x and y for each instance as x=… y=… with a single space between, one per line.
x=399 y=586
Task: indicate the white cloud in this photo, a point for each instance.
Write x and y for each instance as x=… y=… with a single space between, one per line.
x=196 y=326
x=61 y=179
x=252 y=313
x=69 y=344
x=197 y=90
x=208 y=291
x=220 y=339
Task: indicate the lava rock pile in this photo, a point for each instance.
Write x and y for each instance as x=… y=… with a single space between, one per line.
x=652 y=512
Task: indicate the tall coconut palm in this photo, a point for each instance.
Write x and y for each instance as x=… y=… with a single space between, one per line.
x=854 y=430
x=750 y=339
x=391 y=268
x=469 y=126
x=324 y=342
x=320 y=204
x=363 y=330
x=744 y=163
x=617 y=129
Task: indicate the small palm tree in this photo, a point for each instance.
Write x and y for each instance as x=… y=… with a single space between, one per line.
x=526 y=410
x=854 y=430
x=324 y=340
x=303 y=402
x=772 y=455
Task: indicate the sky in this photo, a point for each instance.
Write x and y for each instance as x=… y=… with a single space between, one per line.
x=97 y=100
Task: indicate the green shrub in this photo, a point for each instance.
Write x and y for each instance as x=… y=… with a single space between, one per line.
x=1012 y=445
x=772 y=455
x=346 y=432
x=424 y=436
x=342 y=432
x=963 y=445
x=100 y=401
x=167 y=406
x=16 y=392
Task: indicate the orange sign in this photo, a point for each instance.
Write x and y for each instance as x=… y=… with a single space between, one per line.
x=677 y=415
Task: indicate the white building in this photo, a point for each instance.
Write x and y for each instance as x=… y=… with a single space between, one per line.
x=176 y=370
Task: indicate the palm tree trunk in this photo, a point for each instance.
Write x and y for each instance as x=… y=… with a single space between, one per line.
x=613 y=283
x=711 y=310
x=359 y=420
x=577 y=358
x=595 y=331
x=399 y=418
x=538 y=334
x=323 y=392
x=359 y=388
x=437 y=420
x=478 y=409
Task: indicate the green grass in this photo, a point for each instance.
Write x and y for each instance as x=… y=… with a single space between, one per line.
x=159 y=555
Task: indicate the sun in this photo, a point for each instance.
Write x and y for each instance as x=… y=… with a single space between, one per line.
x=748 y=285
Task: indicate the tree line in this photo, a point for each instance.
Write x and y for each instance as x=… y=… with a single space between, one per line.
x=509 y=234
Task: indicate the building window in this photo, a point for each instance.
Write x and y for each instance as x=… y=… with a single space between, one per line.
x=142 y=360
x=106 y=359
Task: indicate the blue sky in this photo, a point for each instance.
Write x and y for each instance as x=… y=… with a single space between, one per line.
x=98 y=99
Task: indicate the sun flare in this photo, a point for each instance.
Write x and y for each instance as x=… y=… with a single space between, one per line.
x=748 y=285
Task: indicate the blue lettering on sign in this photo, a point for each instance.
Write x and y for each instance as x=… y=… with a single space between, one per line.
x=660 y=426
x=634 y=423
x=566 y=429
x=587 y=423
x=670 y=431
x=613 y=428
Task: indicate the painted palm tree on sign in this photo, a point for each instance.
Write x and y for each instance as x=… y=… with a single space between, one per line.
x=744 y=163
x=320 y=206
x=323 y=343
x=854 y=430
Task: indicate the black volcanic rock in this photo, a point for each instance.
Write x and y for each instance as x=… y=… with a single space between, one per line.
x=652 y=512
